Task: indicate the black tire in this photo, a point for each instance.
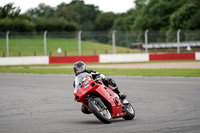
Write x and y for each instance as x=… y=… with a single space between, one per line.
x=94 y=106
x=130 y=114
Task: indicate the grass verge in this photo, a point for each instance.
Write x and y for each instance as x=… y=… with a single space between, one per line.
x=31 y=46
x=141 y=72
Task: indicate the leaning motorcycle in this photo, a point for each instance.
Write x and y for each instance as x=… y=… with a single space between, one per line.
x=101 y=100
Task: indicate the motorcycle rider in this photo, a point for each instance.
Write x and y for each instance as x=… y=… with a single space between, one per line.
x=80 y=67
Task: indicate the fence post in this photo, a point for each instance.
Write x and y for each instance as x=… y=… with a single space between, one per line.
x=113 y=40
x=79 y=43
x=178 y=41
x=45 y=43
x=7 y=43
x=146 y=40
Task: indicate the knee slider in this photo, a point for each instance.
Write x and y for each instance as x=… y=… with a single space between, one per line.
x=112 y=82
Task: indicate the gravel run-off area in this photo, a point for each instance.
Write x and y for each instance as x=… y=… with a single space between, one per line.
x=154 y=65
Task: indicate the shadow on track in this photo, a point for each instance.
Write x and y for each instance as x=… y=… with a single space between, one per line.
x=93 y=122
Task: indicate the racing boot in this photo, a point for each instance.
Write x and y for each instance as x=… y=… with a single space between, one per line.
x=120 y=94
x=113 y=86
x=85 y=110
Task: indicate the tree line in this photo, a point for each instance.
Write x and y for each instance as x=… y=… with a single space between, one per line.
x=65 y=17
x=156 y=15
x=161 y=15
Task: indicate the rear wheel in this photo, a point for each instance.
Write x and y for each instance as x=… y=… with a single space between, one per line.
x=100 y=110
x=130 y=112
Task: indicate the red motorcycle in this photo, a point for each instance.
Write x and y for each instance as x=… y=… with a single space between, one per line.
x=101 y=100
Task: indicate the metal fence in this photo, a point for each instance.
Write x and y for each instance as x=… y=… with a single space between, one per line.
x=90 y=43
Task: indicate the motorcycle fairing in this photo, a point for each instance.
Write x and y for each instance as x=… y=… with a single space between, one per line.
x=110 y=96
x=89 y=86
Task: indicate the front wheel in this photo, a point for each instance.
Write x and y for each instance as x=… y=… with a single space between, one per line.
x=130 y=112
x=100 y=110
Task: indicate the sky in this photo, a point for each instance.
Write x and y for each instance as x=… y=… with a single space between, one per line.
x=116 y=6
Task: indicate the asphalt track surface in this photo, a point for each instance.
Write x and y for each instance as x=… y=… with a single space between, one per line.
x=34 y=103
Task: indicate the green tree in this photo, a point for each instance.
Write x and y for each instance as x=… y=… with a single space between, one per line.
x=16 y=25
x=104 y=21
x=124 y=21
x=156 y=14
x=181 y=19
x=78 y=12
x=87 y=12
x=52 y=24
x=41 y=11
x=194 y=21
x=69 y=14
x=140 y=3
x=9 y=11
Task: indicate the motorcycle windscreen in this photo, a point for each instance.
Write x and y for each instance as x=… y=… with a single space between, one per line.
x=86 y=84
x=79 y=79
